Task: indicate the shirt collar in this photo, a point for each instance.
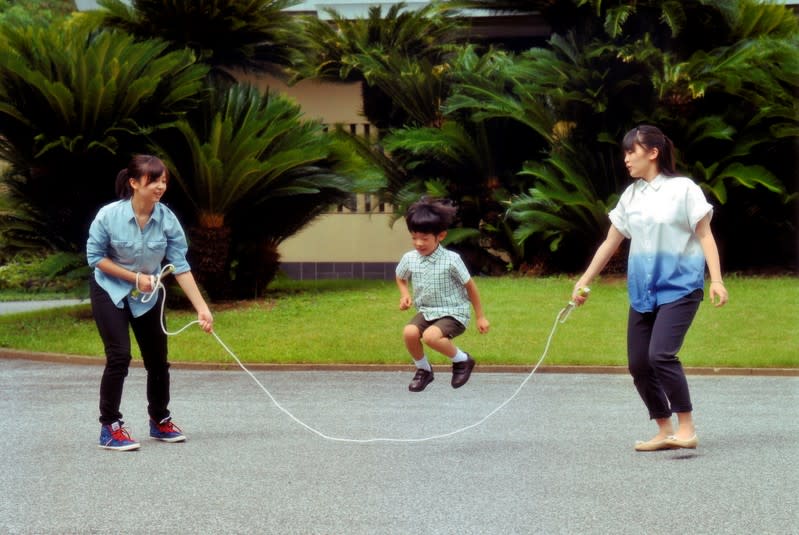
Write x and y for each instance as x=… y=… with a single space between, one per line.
x=434 y=256
x=132 y=216
x=655 y=183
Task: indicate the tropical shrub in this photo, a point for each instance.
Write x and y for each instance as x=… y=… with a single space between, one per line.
x=257 y=35
x=31 y=12
x=397 y=44
x=253 y=172
x=726 y=97
x=56 y=272
x=74 y=104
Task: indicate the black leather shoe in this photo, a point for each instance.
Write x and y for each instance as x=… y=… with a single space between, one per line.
x=461 y=371
x=421 y=380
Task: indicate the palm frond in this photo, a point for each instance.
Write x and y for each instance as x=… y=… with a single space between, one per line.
x=75 y=103
x=251 y=35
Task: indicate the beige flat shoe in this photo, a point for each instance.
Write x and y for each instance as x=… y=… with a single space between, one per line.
x=653 y=445
x=689 y=443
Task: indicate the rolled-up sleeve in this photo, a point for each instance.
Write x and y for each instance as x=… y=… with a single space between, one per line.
x=618 y=216
x=177 y=246
x=97 y=244
x=696 y=205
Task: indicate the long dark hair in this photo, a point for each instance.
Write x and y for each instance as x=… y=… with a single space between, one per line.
x=650 y=137
x=141 y=165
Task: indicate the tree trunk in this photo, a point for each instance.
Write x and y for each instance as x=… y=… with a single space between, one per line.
x=256 y=269
x=209 y=254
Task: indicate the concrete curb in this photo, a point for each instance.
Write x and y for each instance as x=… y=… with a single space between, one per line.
x=487 y=368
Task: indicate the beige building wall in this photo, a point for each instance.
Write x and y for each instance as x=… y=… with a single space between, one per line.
x=357 y=236
x=331 y=102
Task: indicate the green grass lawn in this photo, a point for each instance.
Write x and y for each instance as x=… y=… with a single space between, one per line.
x=359 y=322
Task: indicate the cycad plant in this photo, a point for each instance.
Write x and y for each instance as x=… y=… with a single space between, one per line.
x=445 y=153
x=469 y=163
x=560 y=191
x=726 y=96
x=74 y=104
x=35 y=11
x=352 y=50
x=563 y=204
x=258 y=35
x=254 y=172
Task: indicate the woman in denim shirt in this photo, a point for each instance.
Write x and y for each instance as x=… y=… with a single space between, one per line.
x=667 y=220
x=128 y=241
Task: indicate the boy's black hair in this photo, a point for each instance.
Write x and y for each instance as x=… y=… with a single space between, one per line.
x=430 y=216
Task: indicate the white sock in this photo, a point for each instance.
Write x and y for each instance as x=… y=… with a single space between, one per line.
x=423 y=363
x=460 y=356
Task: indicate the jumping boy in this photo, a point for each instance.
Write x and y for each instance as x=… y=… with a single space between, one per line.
x=442 y=291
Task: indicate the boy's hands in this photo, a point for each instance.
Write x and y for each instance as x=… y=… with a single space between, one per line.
x=405 y=294
x=483 y=325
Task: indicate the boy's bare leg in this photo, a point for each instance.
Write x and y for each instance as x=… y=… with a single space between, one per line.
x=436 y=340
x=413 y=341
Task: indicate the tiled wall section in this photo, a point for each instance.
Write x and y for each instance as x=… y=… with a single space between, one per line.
x=339 y=270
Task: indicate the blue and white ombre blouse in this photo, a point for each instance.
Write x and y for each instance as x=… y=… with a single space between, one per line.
x=666 y=260
x=116 y=235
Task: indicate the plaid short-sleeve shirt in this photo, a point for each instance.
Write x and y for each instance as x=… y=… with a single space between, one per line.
x=438 y=282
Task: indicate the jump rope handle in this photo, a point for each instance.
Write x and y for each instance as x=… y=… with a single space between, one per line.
x=582 y=292
x=166 y=270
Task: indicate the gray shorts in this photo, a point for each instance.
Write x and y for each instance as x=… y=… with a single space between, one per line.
x=449 y=326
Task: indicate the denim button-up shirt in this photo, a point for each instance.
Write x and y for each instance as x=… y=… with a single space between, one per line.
x=115 y=234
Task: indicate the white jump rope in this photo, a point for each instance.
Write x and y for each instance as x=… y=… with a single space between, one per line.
x=561 y=318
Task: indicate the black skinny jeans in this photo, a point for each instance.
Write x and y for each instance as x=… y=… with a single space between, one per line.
x=653 y=340
x=113 y=324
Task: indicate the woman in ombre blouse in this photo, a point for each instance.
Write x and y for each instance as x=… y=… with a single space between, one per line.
x=667 y=219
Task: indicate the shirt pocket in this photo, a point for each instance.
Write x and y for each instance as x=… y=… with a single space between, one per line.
x=156 y=248
x=124 y=251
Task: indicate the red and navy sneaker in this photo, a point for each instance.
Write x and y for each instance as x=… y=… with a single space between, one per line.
x=166 y=431
x=116 y=437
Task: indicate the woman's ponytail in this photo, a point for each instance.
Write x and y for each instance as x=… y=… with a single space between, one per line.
x=123 y=188
x=666 y=157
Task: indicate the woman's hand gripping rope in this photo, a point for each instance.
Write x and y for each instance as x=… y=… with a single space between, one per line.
x=578 y=298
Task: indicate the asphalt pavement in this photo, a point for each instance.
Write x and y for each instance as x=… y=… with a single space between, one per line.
x=557 y=459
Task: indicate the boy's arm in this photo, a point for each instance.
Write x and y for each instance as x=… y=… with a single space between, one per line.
x=405 y=295
x=474 y=296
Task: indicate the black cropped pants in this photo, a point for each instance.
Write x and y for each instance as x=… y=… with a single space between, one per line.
x=653 y=341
